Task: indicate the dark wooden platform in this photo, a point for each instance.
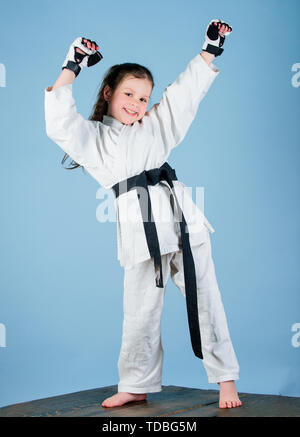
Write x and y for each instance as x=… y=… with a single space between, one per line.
x=172 y=401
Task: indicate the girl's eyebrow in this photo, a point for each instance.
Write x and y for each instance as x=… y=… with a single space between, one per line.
x=127 y=88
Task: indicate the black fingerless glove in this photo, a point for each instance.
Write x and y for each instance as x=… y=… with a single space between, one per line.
x=75 y=61
x=213 y=40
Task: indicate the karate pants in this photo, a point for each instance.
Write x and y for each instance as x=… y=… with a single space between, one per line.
x=141 y=355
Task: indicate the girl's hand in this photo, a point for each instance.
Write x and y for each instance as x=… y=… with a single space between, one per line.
x=215 y=36
x=82 y=52
x=223 y=28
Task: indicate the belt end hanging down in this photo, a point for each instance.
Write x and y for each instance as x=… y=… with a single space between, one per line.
x=195 y=335
x=199 y=354
x=158 y=275
x=196 y=342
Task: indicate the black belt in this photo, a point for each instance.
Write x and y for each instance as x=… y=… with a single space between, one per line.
x=140 y=182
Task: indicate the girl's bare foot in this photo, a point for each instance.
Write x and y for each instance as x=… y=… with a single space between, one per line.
x=228 y=395
x=122 y=398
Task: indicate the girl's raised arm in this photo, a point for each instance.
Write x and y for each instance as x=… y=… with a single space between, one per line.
x=66 y=77
x=173 y=115
x=77 y=136
x=82 y=52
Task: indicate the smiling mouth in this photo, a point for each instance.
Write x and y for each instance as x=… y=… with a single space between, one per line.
x=130 y=113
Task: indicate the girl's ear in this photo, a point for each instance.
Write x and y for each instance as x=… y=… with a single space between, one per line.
x=107 y=93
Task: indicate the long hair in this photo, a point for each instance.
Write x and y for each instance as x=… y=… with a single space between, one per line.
x=113 y=78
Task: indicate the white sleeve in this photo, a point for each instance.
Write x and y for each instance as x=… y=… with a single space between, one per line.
x=178 y=106
x=78 y=137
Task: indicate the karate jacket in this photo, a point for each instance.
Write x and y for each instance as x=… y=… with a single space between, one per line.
x=111 y=151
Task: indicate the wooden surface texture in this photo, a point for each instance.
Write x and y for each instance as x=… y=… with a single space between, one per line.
x=172 y=401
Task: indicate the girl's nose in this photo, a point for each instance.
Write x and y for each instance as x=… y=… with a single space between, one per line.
x=134 y=105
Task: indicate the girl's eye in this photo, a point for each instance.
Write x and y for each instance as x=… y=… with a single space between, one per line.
x=128 y=94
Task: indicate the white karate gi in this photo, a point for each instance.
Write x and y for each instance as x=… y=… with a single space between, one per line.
x=111 y=152
x=141 y=355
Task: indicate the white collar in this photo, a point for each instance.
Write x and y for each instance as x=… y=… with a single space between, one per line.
x=111 y=121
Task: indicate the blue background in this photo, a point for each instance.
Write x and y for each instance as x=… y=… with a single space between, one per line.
x=61 y=283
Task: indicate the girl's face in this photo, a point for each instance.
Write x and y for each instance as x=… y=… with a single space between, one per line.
x=129 y=101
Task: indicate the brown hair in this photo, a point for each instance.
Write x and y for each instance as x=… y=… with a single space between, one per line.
x=113 y=78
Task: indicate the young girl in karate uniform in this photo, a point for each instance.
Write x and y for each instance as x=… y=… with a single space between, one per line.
x=119 y=141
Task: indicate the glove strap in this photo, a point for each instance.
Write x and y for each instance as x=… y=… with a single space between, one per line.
x=217 y=51
x=73 y=66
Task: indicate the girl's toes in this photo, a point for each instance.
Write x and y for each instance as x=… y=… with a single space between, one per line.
x=229 y=404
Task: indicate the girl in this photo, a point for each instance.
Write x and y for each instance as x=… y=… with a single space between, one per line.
x=126 y=148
